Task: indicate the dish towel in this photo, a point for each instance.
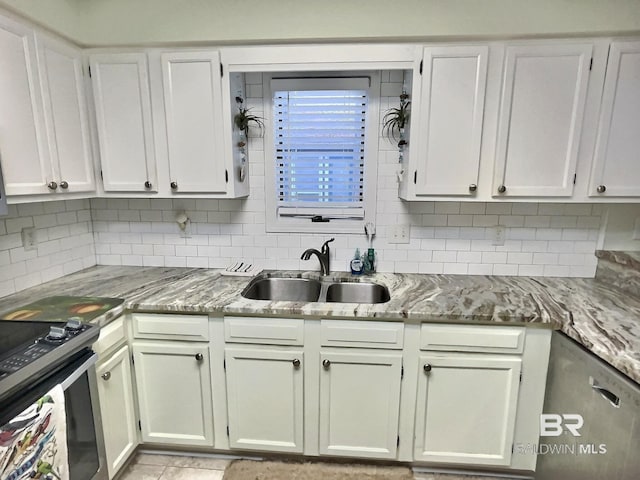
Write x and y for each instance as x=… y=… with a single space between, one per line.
x=34 y=444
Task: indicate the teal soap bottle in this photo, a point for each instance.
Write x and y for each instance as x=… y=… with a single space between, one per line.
x=370 y=261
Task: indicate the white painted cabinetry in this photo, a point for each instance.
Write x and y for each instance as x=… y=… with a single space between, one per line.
x=115 y=389
x=265 y=398
x=359 y=403
x=540 y=119
x=451 y=118
x=468 y=393
x=26 y=165
x=174 y=392
x=616 y=169
x=193 y=106
x=172 y=369
x=65 y=109
x=44 y=136
x=466 y=408
x=124 y=122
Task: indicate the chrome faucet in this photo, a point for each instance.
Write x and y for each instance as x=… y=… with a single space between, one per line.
x=324 y=255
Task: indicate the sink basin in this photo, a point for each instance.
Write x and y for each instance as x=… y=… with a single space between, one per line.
x=285 y=289
x=357 y=293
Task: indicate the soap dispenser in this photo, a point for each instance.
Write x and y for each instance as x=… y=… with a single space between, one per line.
x=357 y=266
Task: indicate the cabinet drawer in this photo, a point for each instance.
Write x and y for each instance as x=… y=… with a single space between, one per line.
x=111 y=335
x=463 y=338
x=193 y=328
x=362 y=334
x=269 y=331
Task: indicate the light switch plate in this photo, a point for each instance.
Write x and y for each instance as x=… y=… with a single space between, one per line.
x=498 y=234
x=399 y=234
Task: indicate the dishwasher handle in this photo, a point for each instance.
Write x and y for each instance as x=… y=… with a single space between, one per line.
x=611 y=397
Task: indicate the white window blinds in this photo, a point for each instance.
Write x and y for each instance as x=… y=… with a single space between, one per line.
x=319 y=136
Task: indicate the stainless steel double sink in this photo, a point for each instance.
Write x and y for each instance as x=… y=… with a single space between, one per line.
x=297 y=289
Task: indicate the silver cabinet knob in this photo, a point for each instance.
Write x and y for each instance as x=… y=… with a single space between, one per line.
x=473 y=187
x=427 y=368
x=64 y=184
x=326 y=363
x=296 y=362
x=502 y=189
x=199 y=357
x=106 y=376
x=148 y=184
x=601 y=189
x=52 y=185
x=174 y=185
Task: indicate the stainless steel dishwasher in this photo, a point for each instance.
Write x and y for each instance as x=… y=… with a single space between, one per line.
x=608 y=447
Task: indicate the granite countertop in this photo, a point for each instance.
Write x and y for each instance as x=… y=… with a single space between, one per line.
x=598 y=315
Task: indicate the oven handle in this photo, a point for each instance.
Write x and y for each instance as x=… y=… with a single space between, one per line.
x=81 y=370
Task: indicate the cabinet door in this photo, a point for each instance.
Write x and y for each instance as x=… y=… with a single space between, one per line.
x=123 y=118
x=65 y=111
x=174 y=393
x=265 y=399
x=23 y=148
x=359 y=404
x=452 y=105
x=115 y=390
x=617 y=161
x=193 y=105
x=466 y=408
x=540 y=121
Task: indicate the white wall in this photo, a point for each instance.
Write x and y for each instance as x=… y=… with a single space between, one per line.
x=446 y=237
x=64 y=243
x=124 y=22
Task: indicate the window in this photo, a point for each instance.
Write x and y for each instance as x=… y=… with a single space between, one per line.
x=321 y=160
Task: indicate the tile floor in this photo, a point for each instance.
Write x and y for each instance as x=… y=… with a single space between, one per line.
x=177 y=467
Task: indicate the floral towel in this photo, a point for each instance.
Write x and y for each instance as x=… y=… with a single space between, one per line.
x=34 y=444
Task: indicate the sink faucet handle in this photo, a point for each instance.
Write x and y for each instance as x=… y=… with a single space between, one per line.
x=325 y=245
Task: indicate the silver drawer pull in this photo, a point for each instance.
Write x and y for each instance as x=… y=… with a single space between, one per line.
x=106 y=376
x=611 y=397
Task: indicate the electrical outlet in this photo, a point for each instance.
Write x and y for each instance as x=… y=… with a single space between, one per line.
x=29 y=241
x=399 y=234
x=498 y=234
x=636 y=230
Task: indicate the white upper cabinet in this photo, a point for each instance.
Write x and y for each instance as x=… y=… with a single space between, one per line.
x=23 y=149
x=123 y=118
x=193 y=105
x=65 y=110
x=540 y=119
x=452 y=108
x=616 y=169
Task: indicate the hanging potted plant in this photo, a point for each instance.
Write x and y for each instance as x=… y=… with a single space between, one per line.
x=244 y=118
x=396 y=119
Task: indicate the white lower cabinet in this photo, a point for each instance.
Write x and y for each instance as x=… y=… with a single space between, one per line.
x=174 y=392
x=359 y=403
x=466 y=408
x=335 y=388
x=265 y=398
x=117 y=408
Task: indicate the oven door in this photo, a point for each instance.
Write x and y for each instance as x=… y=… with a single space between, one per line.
x=85 y=442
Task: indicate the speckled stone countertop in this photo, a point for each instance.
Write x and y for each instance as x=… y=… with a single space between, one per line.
x=596 y=314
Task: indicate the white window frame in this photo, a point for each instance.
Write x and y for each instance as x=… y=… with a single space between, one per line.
x=276 y=223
